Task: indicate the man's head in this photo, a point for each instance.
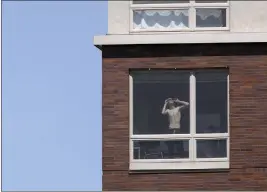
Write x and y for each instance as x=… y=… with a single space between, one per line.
x=171 y=103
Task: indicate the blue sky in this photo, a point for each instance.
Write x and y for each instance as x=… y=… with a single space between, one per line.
x=51 y=95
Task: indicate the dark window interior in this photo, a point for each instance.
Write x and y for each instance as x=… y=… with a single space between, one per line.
x=172 y=149
x=211 y=102
x=150 y=90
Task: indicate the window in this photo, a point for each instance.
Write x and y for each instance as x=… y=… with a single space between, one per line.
x=179 y=119
x=179 y=15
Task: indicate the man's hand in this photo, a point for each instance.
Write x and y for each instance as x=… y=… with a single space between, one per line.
x=176 y=99
x=167 y=100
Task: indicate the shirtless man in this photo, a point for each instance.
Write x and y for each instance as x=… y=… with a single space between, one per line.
x=174 y=112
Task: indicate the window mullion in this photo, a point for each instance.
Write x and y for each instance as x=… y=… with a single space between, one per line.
x=192 y=115
x=192 y=104
x=192 y=18
x=131 y=105
x=131 y=147
x=192 y=15
x=228 y=116
x=192 y=2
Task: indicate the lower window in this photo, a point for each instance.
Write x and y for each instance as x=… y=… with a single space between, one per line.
x=170 y=149
x=179 y=119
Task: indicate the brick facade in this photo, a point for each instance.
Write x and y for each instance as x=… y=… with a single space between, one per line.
x=248 y=115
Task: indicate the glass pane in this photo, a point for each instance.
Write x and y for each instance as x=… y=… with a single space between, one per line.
x=160 y=102
x=211 y=102
x=172 y=149
x=160 y=19
x=210 y=17
x=211 y=148
x=159 y=2
x=211 y=1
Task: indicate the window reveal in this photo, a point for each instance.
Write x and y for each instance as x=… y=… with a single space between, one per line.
x=179 y=116
x=179 y=15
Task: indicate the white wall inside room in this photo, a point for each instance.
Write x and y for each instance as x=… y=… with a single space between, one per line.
x=245 y=16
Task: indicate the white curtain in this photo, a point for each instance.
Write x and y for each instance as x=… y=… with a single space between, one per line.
x=160 y=19
x=176 y=19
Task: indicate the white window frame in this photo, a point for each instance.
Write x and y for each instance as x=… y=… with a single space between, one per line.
x=192 y=6
x=179 y=164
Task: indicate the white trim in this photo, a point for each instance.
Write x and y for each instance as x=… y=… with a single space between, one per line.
x=182 y=29
x=161 y=137
x=228 y=103
x=179 y=165
x=191 y=6
x=191 y=152
x=192 y=18
x=192 y=113
x=179 y=136
x=161 y=160
x=1 y=97
x=131 y=28
x=159 y=6
x=228 y=116
x=212 y=29
x=208 y=5
x=131 y=116
x=192 y=104
x=210 y=135
x=228 y=18
x=139 y=31
x=211 y=5
x=224 y=159
x=181 y=38
x=191 y=3
x=188 y=163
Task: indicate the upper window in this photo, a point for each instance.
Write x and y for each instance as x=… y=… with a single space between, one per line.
x=179 y=119
x=179 y=15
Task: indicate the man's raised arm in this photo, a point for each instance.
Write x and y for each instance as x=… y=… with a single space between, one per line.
x=164 y=111
x=183 y=103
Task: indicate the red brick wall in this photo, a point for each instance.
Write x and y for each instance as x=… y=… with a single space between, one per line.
x=248 y=115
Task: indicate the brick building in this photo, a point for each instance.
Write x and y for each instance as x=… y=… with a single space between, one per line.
x=184 y=95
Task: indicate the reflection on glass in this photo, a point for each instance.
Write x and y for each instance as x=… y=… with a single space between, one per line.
x=172 y=149
x=160 y=102
x=211 y=102
x=211 y=148
x=159 y=2
x=211 y=1
x=210 y=17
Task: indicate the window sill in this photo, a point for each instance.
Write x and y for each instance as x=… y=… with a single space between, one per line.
x=181 y=38
x=180 y=30
x=133 y=172
x=138 y=166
